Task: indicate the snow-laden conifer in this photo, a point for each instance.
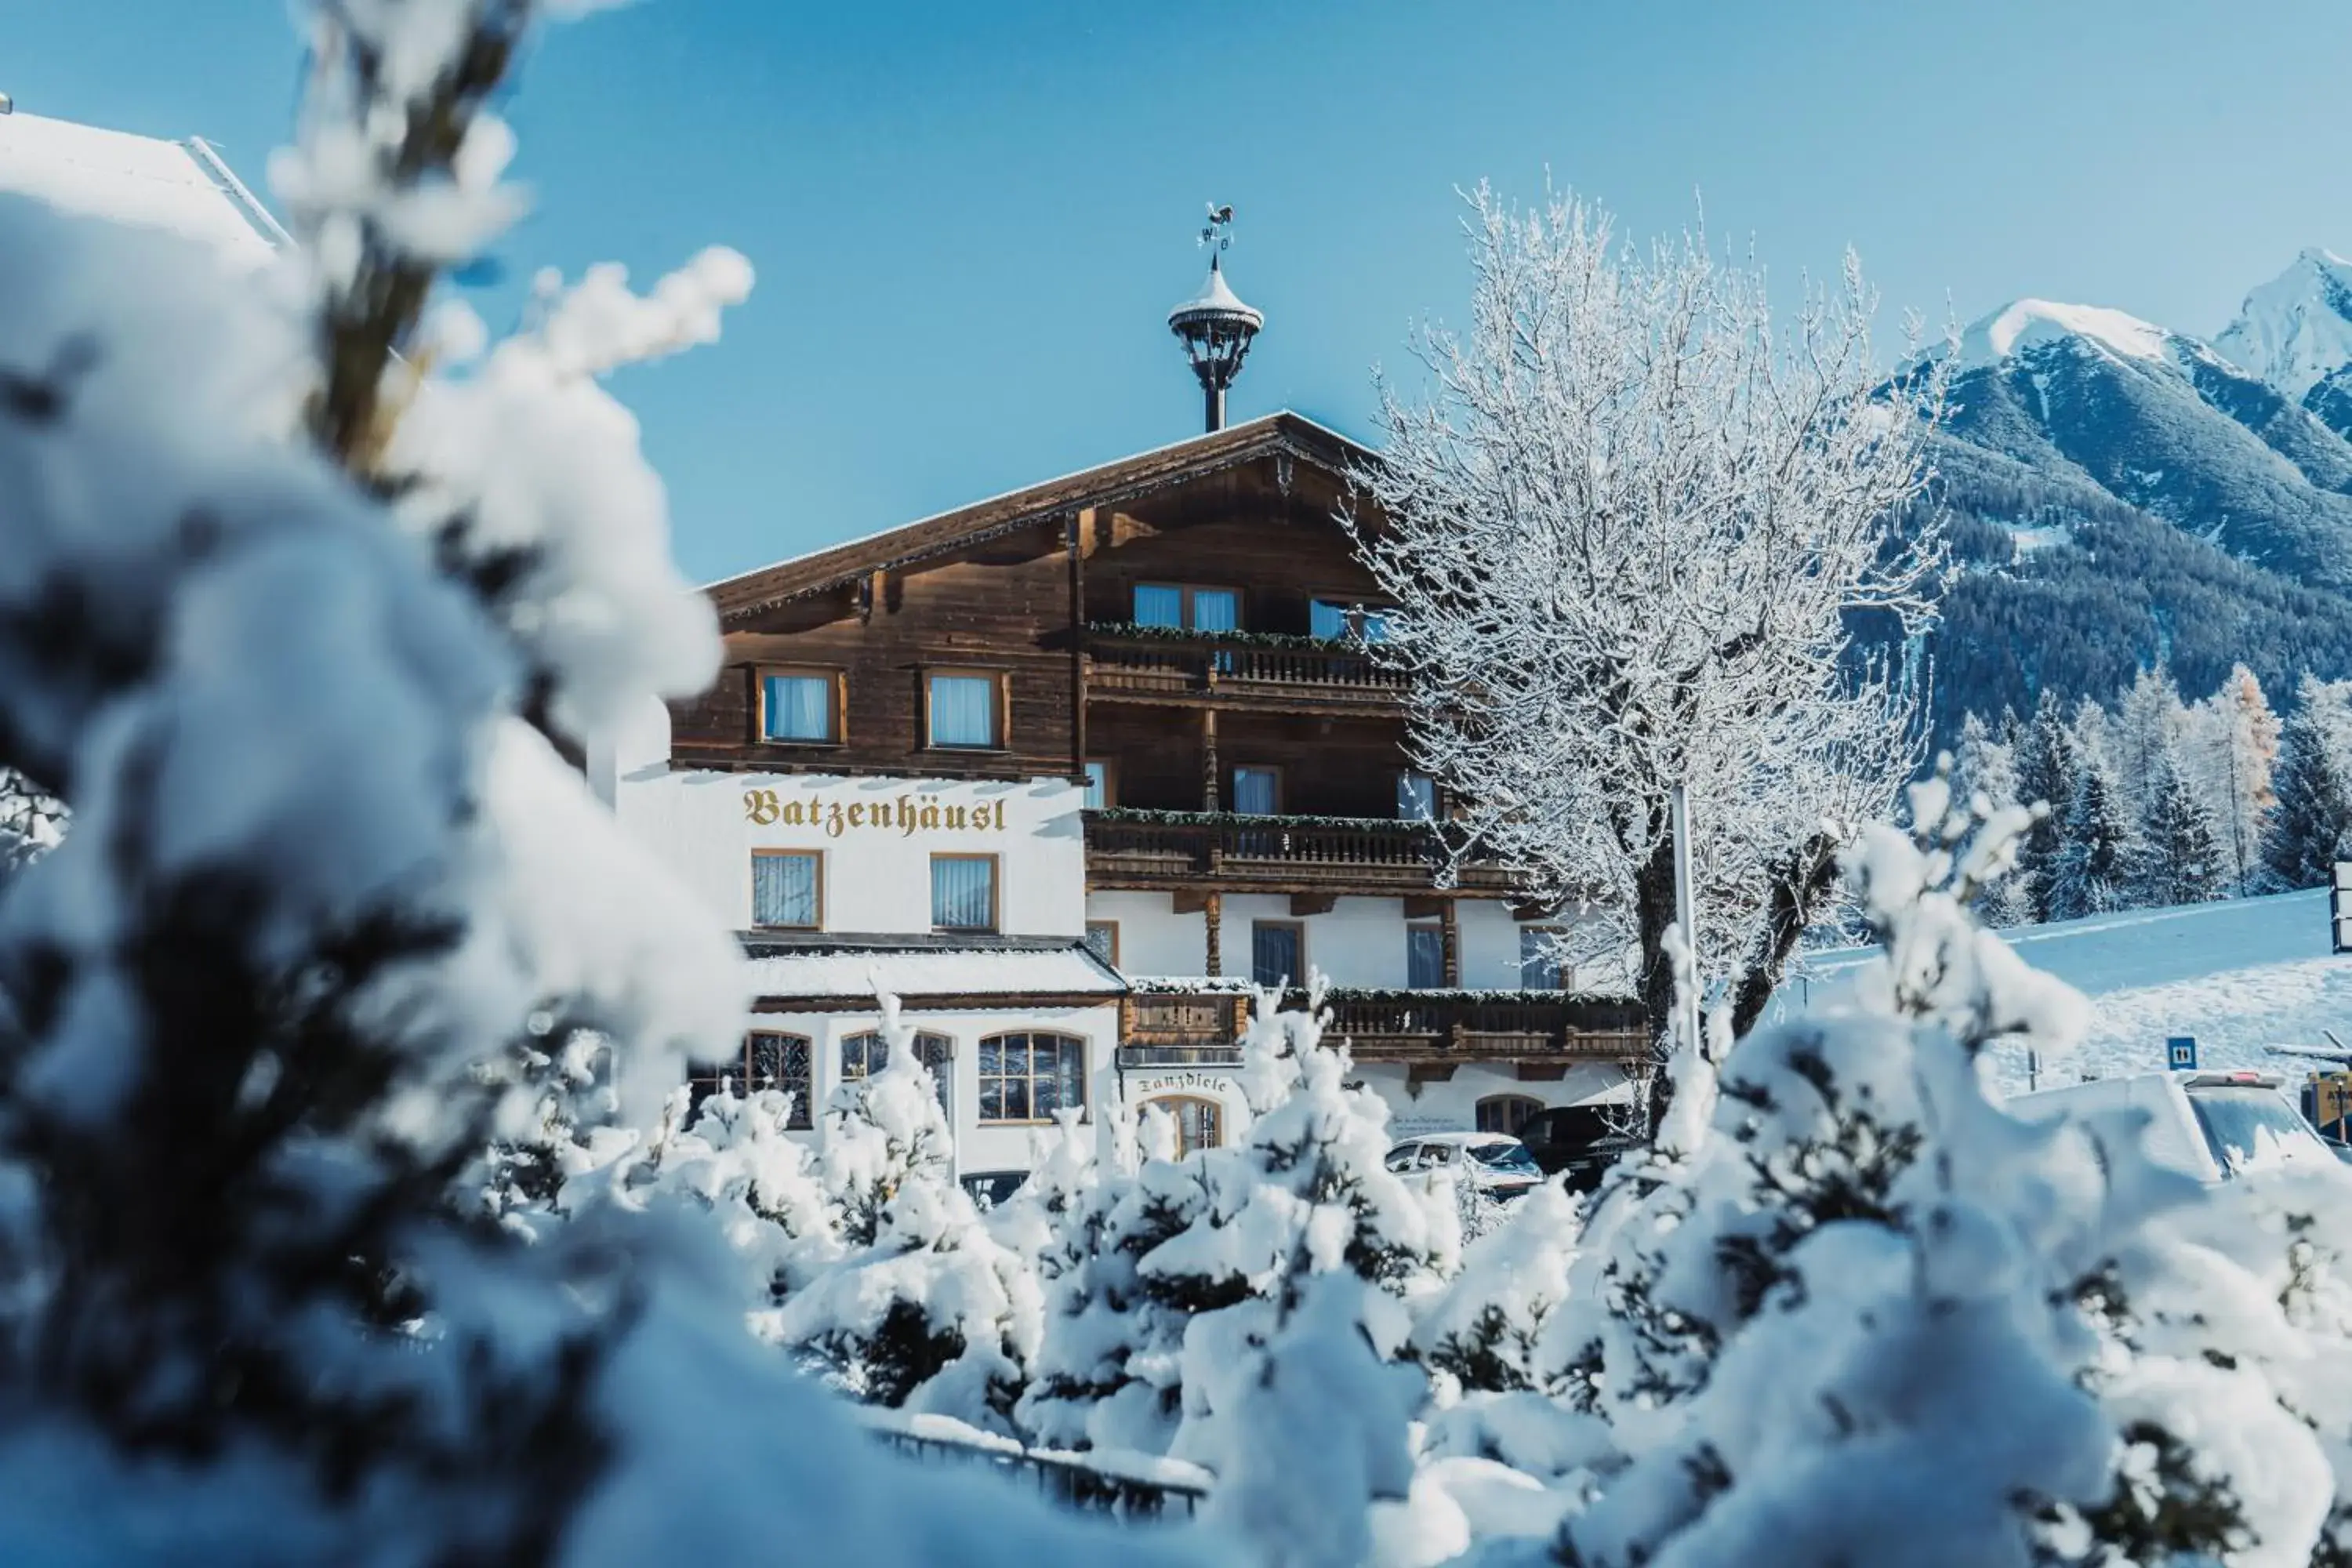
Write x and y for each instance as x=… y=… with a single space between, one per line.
x=2311 y=826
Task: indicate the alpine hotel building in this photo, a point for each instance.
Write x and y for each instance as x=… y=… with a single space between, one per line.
x=1070 y=769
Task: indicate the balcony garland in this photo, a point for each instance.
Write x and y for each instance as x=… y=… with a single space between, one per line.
x=1134 y=631
x=1236 y=985
x=1138 y=815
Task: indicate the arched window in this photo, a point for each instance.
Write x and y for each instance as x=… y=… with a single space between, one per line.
x=1199 y=1123
x=1028 y=1077
x=862 y=1056
x=770 y=1059
x=1505 y=1112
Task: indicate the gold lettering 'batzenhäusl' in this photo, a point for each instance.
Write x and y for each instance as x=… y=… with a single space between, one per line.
x=907 y=814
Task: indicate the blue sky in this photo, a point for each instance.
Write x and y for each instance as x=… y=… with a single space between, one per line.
x=969 y=220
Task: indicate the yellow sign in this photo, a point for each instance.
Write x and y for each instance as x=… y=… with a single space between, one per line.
x=908 y=814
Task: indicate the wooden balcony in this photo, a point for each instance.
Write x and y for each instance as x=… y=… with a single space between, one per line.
x=1199 y=851
x=1421 y=1027
x=1288 y=675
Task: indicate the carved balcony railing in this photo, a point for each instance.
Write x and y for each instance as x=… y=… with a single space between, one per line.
x=1206 y=850
x=1421 y=1027
x=1142 y=664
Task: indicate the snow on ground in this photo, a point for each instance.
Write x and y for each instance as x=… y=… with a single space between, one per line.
x=2238 y=975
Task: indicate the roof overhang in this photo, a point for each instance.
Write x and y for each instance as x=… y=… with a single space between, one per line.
x=1108 y=485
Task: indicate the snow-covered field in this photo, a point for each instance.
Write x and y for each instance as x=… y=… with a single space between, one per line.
x=2239 y=976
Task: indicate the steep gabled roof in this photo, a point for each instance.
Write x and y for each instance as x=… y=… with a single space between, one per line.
x=182 y=187
x=1110 y=484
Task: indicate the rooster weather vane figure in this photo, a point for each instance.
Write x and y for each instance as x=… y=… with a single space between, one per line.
x=1217 y=233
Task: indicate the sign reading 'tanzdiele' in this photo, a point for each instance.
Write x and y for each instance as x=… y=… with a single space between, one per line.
x=908 y=814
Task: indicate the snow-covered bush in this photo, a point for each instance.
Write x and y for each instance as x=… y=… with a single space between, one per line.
x=329 y=879
x=1189 y=1265
x=1482 y=1328
x=1869 y=1316
x=926 y=1309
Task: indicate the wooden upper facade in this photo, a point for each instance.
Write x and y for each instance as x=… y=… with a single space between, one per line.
x=1029 y=606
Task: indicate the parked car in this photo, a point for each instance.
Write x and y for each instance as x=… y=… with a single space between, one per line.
x=1577 y=1140
x=989 y=1188
x=1497 y=1162
x=2209 y=1125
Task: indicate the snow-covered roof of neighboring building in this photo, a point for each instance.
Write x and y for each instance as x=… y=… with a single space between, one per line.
x=833 y=973
x=181 y=187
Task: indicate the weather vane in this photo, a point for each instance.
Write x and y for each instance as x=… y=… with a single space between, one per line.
x=1217 y=233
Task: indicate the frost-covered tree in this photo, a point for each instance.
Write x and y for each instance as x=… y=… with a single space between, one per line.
x=926 y=1309
x=1624 y=538
x=259 y=1010
x=2145 y=731
x=2177 y=859
x=1869 y=1317
x=2228 y=743
x=2100 y=848
x=2311 y=826
x=2048 y=771
x=31 y=821
x=1481 y=1330
x=1196 y=1263
x=1984 y=768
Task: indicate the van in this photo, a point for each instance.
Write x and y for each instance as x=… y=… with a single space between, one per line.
x=2209 y=1125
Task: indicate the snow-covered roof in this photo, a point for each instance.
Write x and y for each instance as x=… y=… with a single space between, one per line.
x=1215 y=298
x=2027 y=323
x=852 y=970
x=181 y=187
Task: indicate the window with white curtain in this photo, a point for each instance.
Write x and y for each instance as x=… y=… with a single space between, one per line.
x=1416 y=797
x=963 y=892
x=1257 y=792
x=1539 y=966
x=798 y=707
x=1195 y=609
x=1159 y=604
x=962 y=710
x=1425 y=957
x=786 y=887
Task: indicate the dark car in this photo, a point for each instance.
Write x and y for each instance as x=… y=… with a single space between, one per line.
x=1577 y=1140
x=989 y=1188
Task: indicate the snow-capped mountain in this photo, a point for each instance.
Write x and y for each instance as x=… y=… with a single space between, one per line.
x=2162 y=423
x=2295 y=332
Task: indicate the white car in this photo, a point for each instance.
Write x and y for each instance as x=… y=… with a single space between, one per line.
x=2209 y=1125
x=1499 y=1164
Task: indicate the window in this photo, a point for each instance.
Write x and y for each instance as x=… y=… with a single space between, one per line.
x=1416 y=797
x=1029 y=1077
x=1102 y=938
x=1403 y=1157
x=965 y=710
x=768 y=1060
x=1194 y=609
x=963 y=892
x=788 y=889
x=863 y=1055
x=1539 y=967
x=1098 y=790
x=1199 y=1123
x=1425 y=957
x=801 y=705
x=1507 y=1112
x=1257 y=791
x=1277 y=952
x=1330 y=620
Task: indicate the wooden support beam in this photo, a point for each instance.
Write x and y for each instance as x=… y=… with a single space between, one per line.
x=1214 y=911
x=1304 y=904
x=1190 y=900
x=1209 y=780
x=1424 y=906
x=1081 y=529
x=1124 y=528
x=1419 y=1073
x=1542 y=1072
x=1449 y=930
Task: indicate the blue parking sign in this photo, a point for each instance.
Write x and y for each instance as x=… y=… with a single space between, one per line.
x=2180 y=1053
